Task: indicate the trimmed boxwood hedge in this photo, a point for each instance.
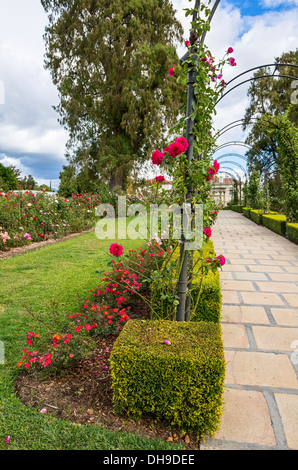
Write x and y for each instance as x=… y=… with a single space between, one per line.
x=209 y=306
x=275 y=222
x=180 y=383
x=256 y=215
x=246 y=212
x=292 y=232
x=237 y=208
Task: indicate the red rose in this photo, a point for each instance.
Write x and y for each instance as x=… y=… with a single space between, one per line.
x=157 y=157
x=116 y=250
x=207 y=231
x=159 y=179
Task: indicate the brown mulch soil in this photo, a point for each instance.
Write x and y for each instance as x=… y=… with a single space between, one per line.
x=83 y=395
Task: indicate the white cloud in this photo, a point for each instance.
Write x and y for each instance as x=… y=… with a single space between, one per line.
x=278 y=3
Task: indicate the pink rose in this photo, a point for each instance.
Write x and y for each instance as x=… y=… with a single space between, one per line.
x=230 y=50
x=207 y=231
x=116 y=250
x=221 y=259
x=233 y=61
x=157 y=157
x=187 y=43
x=216 y=165
x=171 y=71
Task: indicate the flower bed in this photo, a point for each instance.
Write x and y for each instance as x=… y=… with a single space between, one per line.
x=30 y=217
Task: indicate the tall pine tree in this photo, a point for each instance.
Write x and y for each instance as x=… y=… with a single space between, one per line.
x=109 y=60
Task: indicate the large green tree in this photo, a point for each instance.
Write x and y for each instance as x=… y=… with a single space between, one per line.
x=269 y=96
x=109 y=60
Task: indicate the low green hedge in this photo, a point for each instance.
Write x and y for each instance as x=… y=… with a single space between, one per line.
x=292 y=232
x=209 y=306
x=275 y=222
x=256 y=215
x=237 y=208
x=246 y=212
x=180 y=383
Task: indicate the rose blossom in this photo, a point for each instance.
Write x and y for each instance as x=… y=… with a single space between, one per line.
x=171 y=71
x=116 y=250
x=221 y=259
x=207 y=231
x=230 y=50
x=174 y=149
x=159 y=179
x=157 y=157
x=182 y=141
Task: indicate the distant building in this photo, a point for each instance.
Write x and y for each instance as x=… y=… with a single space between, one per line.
x=222 y=190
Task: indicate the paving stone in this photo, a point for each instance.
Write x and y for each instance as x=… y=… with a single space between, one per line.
x=288 y=408
x=234 y=336
x=244 y=314
x=292 y=299
x=260 y=369
x=237 y=285
x=230 y=297
x=285 y=316
x=246 y=418
x=282 y=287
x=275 y=338
x=260 y=298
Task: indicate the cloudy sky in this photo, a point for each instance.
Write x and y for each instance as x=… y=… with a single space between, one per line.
x=30 y=135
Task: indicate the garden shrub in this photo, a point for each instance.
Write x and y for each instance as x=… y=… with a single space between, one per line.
x=207 y=307
x=256 y=215
x=173 y=371
x=275 y=222
x=292 y=232
x=237 y=208
x=246 y=212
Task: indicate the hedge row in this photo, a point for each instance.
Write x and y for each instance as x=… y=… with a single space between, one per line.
x=237 y=208
x=274 y=221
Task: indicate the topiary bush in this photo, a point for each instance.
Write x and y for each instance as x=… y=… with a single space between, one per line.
x=172 y=371
x=275 y=222
x=292 y=232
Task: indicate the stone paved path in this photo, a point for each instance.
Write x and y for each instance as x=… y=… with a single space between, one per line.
x=260 y=334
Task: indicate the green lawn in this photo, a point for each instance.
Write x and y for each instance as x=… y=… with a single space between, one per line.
x=62 y=272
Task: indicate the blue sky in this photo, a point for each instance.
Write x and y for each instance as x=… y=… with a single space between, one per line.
x=31 y=137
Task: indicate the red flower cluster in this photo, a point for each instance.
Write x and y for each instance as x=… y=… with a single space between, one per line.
x=177 y=147
x=207 y=231
x=159 y=179
x=213 y=170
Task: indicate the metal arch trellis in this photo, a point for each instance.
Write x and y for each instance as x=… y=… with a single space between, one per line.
x=257 y=78
x=243 y=157
x=185 y=276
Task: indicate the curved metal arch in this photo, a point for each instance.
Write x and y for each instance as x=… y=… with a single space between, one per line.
x=262 y=66
x=237 y=164
x=233 y=155
x=232 y=142
x=232 y=169
x=228 y=173
x=253 y=78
